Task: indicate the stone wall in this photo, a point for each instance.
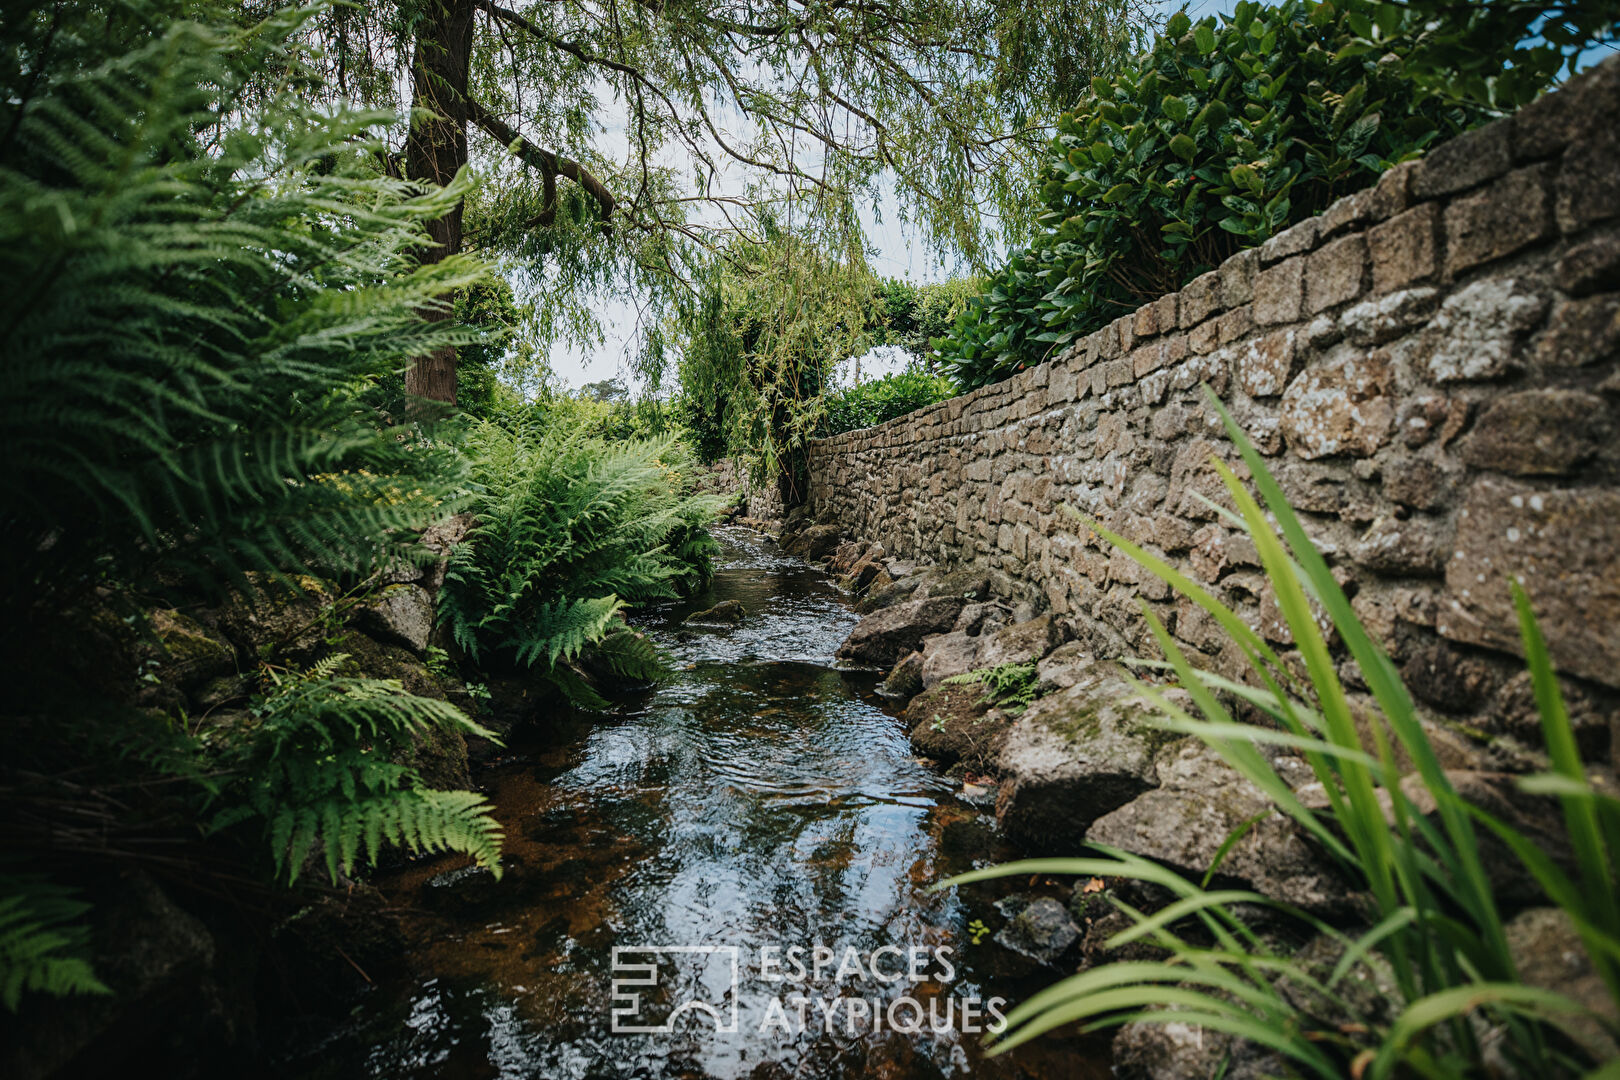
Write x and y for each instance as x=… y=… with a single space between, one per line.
x=1430 y=367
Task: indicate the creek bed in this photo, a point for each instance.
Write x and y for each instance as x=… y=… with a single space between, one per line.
x=759 y=799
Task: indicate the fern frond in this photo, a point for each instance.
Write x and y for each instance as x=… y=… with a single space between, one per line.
x=42 y=944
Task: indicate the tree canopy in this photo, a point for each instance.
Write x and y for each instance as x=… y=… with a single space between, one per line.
x=631 y=145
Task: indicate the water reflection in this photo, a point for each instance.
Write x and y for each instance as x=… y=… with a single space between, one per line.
x=761 y=799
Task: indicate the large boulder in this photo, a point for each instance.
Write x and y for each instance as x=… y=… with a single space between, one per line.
x=813 y=543
x=400 y=614
x=1198 y=804
x=885 y=636
x=1074 y=756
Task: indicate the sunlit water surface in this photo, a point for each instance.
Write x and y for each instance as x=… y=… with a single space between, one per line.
x=760 y=798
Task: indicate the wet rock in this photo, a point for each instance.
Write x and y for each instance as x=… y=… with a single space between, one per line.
x=1550 y=954
x=400 y=614
x=1073 y=757
x=1043 y=931
x=726 y=613
x=888 y=634
x=947 y=655
x=953 y=724
x=905 y=679
x=813 y=543
x=1198 y=804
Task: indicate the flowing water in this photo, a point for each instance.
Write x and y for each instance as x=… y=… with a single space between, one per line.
x=761 y=799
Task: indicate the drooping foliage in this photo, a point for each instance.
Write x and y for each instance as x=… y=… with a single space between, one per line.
x=1224 y=133
x=1446 y=997
x=759 y=348
x=733 y=115
x=42 y=944
x=569 y=530
x=204 y=285
x=883 y=399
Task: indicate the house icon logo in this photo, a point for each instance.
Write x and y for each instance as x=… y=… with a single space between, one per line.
x=700 y=980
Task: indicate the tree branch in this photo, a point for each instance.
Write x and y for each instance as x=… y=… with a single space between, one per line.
x=550 y=165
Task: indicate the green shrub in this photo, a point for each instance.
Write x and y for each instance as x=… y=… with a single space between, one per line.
x=204 y=279
x=1222 y=135
x=883 y=399
x=1436 y=937
x=569 y=530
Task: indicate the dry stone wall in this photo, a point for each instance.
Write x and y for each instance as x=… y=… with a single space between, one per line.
x=1430 y=367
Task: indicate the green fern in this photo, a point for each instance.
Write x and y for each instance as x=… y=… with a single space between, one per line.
x=321 y=771
x=198 y=294
x=570 y=530
x=42 y=944
x=1010 y=687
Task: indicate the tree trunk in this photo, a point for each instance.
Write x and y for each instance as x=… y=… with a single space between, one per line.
x=435 y=150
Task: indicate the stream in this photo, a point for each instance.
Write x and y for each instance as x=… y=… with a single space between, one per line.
x=759 y=804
